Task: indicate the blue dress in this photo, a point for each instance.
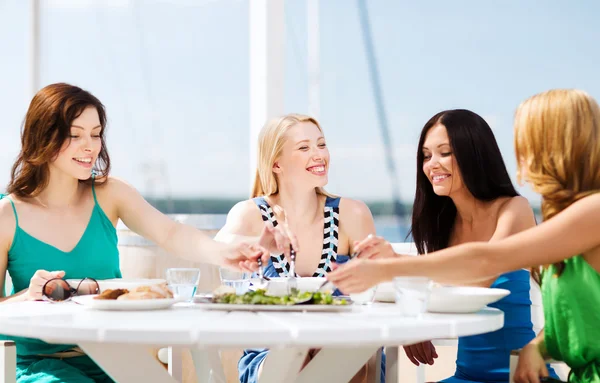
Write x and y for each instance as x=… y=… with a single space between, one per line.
x=278 y=266
x=485 y=357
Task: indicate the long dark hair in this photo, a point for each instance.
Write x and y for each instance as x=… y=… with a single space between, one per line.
x=481 y=167
x=46 y=128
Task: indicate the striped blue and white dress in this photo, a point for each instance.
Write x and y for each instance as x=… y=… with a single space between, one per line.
x=279 y=266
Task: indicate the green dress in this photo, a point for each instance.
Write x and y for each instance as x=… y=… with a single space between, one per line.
x=96 y=256
x=572 y=315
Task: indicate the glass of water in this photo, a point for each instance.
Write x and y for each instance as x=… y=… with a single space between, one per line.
x=240 y=281
x=412 y=295
x=183 y=282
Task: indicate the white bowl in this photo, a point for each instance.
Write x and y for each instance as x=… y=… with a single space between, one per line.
x=278 y=286
x=463 y=299
x=120 y=283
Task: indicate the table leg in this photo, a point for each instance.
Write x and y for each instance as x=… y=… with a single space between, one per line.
x=126 y=363
x=207 y=363
x=332 y=365
x=175 y=363
x=8 y=362
x=391 y=364
x=282 y=365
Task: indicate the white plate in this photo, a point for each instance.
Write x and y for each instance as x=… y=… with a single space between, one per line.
x=463 y=299
x=120 y=283
x=125 y=305
x=294 y=308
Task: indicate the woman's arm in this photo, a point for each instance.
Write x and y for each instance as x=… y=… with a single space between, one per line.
x=7 y=232
x=245 y=223
x=540 y=343
x=241 y=223
x=532 y=361
x=572 y=232
x=176 y=238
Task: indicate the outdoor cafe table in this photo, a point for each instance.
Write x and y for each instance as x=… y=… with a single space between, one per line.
x=118 y=340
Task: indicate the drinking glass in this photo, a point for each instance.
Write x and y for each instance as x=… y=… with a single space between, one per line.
x=239 y=280
x=183 y=282
x=412 y=295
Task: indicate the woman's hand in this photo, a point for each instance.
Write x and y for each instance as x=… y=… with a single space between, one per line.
x=374 y=247
x=531 y=365
x=358 y=275
x=423 y=352
x=37 y=282
x=242 y=256
x=278 y=239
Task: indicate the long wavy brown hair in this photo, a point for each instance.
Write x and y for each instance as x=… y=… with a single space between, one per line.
x=557 y=144
x=46 y=128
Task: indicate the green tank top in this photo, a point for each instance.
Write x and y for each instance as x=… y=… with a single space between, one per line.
x=572 y=316
x=96 y=255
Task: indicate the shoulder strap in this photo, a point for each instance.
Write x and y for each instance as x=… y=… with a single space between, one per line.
x=333 y=202
x=94 y=188
x=330 y=236
x=265 y=210
x=13 y=207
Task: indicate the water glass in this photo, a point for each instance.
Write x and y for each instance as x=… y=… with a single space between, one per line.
x=240 y=281
x=412 y=295
x=183 y=282
x=365 y=298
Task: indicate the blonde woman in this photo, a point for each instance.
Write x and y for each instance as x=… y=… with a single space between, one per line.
x=293 y=165
x=557 y=143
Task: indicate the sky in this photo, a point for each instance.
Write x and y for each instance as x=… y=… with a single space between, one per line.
x=174 y=77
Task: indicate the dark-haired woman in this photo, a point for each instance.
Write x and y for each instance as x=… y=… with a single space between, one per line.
x=58 y=221
x=464 y=194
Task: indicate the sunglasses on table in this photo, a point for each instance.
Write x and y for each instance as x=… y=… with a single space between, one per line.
x=58 y=290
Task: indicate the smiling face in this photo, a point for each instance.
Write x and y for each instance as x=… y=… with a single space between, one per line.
x=305 y=157
x=439 y=163
x=79 y=152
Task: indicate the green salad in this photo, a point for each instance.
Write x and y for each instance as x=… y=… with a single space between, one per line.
x=259 y=297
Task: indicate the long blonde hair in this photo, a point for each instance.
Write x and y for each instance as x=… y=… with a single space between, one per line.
x=557 y=142
x=270 y=145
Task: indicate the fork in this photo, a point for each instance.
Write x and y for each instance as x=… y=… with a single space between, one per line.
x=292 y=285
x=261 y=274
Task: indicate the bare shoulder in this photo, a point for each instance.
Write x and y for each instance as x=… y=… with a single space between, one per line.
x=516 y=205
x=113 y=186
x=355 y=208
x=244 y=218
x=112 y=193
x=515 y=214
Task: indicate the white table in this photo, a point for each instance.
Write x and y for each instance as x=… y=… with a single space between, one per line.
x=117 y=341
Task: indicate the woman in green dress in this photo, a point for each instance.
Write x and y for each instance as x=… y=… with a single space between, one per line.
x=59 y=216
x=557 y=144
